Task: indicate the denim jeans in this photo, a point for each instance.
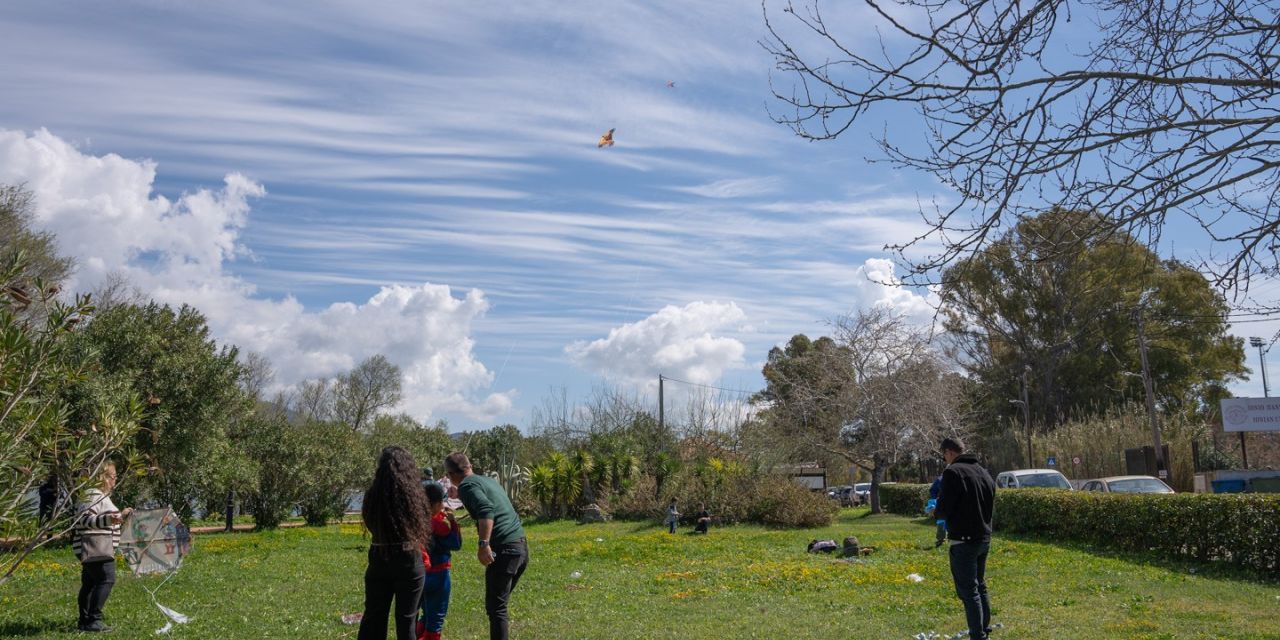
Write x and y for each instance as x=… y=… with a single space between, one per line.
x=435 y=599
x=969 y=570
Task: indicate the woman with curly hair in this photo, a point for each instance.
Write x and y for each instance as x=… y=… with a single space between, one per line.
x=396 y=514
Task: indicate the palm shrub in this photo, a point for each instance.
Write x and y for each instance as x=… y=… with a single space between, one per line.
x=542 y=486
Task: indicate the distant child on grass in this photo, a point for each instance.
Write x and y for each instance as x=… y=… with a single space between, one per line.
x=445 y=539
x=673 y=516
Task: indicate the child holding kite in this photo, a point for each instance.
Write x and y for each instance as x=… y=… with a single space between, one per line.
x=396 y=514
x=95 y=537
x=445 y=539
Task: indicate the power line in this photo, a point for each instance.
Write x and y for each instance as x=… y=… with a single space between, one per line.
x=708 y=386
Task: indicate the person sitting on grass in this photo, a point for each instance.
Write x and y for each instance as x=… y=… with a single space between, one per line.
x=397 y=516
x=704 y=519
x=445 y=539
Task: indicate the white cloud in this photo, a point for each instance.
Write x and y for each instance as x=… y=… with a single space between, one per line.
x=104 y=214
x=878 y=285
x=734 y=188
x=675 y=341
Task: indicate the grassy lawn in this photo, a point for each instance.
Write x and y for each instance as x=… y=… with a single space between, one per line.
x=639 y=582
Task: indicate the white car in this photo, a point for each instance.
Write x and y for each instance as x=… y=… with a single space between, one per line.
x=1127 y=484
x=1039 y=478
x=863 y=490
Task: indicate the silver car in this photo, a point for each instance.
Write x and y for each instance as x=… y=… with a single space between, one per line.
x=1127 y=484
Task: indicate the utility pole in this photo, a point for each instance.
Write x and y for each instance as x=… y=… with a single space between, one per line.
x=1151 y=400
x=1026 y=416
x=662 y=407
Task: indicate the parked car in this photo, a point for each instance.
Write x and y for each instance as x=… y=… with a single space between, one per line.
x=1040 y=478
x=863 y=490
x=835 y=492
x=1127 y=484
x=848 y=497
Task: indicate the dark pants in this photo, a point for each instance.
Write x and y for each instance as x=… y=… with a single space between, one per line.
x=969 y=570
x=499 y=579
x=392 y=574
x=96 y=580
x=435 y=600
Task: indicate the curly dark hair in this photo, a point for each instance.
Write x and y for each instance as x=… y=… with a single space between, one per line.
x=395 y=507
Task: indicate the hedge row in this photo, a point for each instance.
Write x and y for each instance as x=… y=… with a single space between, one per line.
x=904 y=499
x=1242 y=529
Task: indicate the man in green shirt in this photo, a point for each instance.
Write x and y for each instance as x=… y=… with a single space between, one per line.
x=499 y=534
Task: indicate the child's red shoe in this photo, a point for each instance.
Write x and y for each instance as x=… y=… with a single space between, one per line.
x=433 y=635
x=420 y=632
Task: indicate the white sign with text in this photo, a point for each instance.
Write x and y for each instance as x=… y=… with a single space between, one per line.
x=1251 y=414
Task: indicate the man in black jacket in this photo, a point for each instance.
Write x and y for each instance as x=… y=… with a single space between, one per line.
x=966 y=502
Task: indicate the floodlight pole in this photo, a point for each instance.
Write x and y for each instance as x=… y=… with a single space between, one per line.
x=1266 y=389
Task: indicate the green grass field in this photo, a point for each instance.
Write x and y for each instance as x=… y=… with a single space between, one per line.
x=639 y=582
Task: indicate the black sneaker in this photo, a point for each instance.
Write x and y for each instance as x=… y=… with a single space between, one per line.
x=95 y=627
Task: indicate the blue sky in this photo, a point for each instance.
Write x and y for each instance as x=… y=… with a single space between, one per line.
x=329 y=180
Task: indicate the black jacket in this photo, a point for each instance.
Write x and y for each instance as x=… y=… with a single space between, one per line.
x=967 y=500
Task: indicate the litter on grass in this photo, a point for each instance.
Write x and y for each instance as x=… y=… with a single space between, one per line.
x=576 y=575
x=915 y=577
x=352 y=618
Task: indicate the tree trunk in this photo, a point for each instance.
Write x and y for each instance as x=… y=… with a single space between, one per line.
x=877 y=477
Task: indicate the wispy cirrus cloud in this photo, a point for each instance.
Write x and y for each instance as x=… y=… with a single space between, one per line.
x=390 y=152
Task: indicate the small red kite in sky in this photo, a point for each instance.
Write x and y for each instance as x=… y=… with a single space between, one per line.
x=671 y=84
x=606 y=140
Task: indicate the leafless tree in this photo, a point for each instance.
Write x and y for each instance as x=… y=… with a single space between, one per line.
x=257 y=375
x=883 y=397
x=115 y=291
x=314 y=400
x=1151 y=113
x=372 y=386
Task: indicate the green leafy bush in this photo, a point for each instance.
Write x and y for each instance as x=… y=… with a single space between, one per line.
x=904 y=499
x=1240 y=528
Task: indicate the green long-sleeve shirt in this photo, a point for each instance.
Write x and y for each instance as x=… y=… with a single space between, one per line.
x=485 y=500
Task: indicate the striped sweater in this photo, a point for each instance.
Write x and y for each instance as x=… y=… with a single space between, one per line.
x=94 y=519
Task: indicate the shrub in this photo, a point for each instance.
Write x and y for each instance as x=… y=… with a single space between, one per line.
x=640 y=503
x=738 y=497
x=1239 y=529
x=904 y=499
x=782 y=502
